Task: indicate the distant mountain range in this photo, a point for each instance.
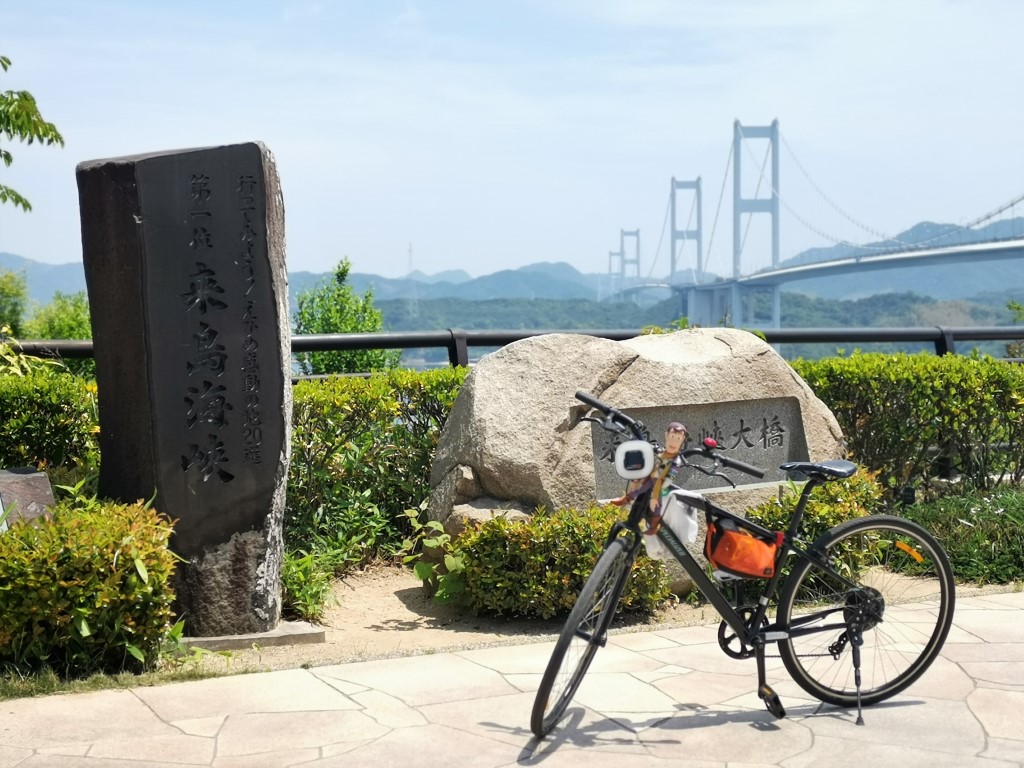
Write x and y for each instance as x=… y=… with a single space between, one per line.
x=558 y=280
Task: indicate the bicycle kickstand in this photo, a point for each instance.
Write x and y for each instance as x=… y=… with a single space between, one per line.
x=766 y=693
x=856 y=641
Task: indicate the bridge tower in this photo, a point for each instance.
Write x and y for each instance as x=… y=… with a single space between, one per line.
x=684 y=235
x=618 y=261
x=742 y=205
x=634 y=260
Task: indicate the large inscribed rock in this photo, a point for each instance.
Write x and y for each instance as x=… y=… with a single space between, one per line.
x=185 y=266
x=515 y=439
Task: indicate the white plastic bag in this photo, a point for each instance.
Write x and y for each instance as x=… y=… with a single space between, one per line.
x=681 y=517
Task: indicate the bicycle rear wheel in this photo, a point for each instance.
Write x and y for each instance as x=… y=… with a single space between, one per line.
x=903 y=605
x=584 y=632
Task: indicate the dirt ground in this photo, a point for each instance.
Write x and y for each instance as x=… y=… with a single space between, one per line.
x=385 y=611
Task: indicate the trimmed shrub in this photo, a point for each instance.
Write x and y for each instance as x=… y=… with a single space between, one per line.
x=361 y=454
x=903 y=414
x=85 y=591
x=537 y=567
x=48 y=419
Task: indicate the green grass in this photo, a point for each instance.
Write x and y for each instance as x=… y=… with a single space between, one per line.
x=983 y=534
x=15 y=686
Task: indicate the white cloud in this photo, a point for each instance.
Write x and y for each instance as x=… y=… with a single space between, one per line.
x=493 y=135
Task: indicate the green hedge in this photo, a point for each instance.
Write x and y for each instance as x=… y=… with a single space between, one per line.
x=48 y=420
x=537 y=567
x=896 y=409
x=85 y=591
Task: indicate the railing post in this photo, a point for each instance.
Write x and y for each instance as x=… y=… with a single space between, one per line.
x=945 y=344
x=458 y=354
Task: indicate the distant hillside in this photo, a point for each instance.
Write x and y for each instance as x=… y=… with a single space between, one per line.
x=946 y=281
x=43 y=280
x=561 y=281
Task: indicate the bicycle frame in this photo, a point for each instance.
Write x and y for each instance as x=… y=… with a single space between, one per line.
x=750 y=632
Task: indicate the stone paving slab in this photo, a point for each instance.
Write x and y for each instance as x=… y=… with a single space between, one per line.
x=667 y=695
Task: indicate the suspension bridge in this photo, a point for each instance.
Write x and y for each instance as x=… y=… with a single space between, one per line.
x=711 y=299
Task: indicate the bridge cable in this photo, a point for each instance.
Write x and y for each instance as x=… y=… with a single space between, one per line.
x=661 y=240
x=956 y=229
x=826 y=198
x=718 y=209
x=689 y=227
x=839 y=241
x=750 y=219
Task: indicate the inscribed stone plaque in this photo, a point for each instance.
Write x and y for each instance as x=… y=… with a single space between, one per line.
x=765 y=433
x=211 y=313
x=184 y=262
x=25 y=494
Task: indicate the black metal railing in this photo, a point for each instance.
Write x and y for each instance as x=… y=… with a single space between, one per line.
x=458 y=342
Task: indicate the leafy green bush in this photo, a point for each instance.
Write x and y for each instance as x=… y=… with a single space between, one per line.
x=85 y=591
x=981 y=533
x=334 y=307
x=65 y=317
x=361 y=454
x=896 y=410
x=48 y=419
x=537 y=567
x=306 y=581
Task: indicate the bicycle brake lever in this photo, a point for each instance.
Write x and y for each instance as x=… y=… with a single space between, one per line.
x=716 y=473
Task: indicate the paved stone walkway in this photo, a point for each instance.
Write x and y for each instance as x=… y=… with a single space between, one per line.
x=668 y=695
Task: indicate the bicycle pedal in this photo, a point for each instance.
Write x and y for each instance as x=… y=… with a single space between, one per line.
x=772 y=701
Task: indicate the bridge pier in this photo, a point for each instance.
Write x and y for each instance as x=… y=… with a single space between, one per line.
x=722 y=303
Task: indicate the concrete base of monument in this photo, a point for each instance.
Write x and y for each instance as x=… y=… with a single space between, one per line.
x=285 y=633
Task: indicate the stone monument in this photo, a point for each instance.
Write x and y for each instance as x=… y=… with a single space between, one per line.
x=185 y=267
x=515 y=439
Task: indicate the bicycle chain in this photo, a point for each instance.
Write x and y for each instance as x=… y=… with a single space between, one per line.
x=799 y=655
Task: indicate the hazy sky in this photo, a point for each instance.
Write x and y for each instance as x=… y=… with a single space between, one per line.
x=497 y=134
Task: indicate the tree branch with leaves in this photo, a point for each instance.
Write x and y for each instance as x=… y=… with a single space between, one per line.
x=20 y=119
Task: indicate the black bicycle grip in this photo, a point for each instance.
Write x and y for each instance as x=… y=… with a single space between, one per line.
x=742 y=466
x=593 y=402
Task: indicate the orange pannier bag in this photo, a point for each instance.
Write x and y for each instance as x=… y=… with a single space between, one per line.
x=738 y=551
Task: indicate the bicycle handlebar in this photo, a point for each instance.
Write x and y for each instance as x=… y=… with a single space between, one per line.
x=707 y=451
x=742 y=466
x=615 y=415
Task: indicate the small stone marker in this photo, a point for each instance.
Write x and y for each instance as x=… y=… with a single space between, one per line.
x=25 y=494
x=185 y=266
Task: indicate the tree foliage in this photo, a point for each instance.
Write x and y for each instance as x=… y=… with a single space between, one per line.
x=65 y=317
x=13 y=300
x=333 y=307
x=20 y=119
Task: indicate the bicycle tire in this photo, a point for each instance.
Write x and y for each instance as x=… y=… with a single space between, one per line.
x=895 y=559
x=583 y=633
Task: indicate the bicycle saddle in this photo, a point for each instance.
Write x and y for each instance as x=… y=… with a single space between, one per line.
x=821 y=470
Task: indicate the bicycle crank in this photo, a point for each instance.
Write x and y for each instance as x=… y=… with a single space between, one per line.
x=730 y=641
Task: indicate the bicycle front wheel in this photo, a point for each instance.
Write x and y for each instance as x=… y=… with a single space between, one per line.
x=584 y=632
x=901 y=604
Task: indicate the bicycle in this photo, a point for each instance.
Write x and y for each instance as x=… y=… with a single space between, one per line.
x=877 y=588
